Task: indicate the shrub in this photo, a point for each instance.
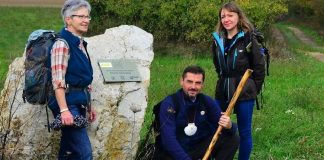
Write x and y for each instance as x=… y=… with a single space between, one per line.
x=263 y=14
x=186 y=21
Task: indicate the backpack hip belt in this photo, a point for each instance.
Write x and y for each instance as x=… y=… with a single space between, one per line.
x=74 y=88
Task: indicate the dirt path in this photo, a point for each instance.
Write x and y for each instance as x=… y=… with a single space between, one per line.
x=304 y=38
x=319 y=56
x=278 y=35
x=38 y=3
x=307 y=40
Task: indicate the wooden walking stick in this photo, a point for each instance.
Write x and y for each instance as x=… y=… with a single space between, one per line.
x=229 y=110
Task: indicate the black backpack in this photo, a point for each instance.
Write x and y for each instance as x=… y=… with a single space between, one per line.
x=147 y=149
x=260 y=38
x=38 y=66
x=156 y=125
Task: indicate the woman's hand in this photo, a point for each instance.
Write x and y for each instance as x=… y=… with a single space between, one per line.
x=67 y=118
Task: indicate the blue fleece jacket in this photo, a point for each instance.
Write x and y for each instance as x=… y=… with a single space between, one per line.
x=79 y=73
x=204 y=112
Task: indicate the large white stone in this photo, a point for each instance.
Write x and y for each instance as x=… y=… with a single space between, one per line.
x=120 y=106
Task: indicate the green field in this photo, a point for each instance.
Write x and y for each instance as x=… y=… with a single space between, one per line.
x=15 y=26
x=290 y=125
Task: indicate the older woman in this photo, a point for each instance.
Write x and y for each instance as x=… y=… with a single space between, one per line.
x=71 y=79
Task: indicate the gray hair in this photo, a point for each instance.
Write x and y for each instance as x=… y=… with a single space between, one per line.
x=70 y=6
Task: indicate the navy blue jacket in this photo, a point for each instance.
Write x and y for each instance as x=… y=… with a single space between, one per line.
x=79 y=73
x=207 y=114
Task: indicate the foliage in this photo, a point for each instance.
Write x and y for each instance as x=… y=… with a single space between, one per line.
x=263 y=14
x=313 y=9
x=188 y=21
x=300 y=8
x=318 y=7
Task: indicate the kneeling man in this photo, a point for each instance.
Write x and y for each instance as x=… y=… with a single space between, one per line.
x=187 y=130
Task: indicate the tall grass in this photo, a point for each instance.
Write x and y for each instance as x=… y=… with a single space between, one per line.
x=290 y=126
x=16 y=24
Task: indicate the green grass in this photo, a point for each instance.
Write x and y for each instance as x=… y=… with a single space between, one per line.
x=15 y=26
x=290 y=126
x=292 y=122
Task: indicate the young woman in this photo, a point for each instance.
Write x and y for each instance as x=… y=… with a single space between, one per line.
x=235 y=49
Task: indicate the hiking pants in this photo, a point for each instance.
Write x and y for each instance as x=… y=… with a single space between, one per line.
x=244 y=123
x=75 y=143
x=224 y=149
x=244 y=112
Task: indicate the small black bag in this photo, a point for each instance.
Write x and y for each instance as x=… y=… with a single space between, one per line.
x=79 y=121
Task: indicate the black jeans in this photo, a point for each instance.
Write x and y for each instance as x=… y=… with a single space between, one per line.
x=224 y=149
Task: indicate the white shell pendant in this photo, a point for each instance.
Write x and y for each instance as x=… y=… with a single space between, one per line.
x=191 y=129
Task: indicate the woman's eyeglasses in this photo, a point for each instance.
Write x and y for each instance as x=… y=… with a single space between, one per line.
x=83 y=17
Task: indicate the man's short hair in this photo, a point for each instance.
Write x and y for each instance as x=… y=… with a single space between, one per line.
x=195 y=70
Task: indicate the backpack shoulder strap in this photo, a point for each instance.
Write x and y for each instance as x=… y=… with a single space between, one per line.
x=175 y=102
x=248 y=42
x=64 y=41
x=58 y=37
x=156 y=111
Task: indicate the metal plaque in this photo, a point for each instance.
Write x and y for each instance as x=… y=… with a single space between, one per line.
x=119 y=70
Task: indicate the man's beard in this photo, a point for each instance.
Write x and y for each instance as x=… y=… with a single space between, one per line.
x=192 y=97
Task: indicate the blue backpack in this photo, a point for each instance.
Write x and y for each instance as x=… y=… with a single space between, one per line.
x=38 y=66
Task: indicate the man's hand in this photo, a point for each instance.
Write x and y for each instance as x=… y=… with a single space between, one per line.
x=225 y=121
x=67 y=118
x=92 y=115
